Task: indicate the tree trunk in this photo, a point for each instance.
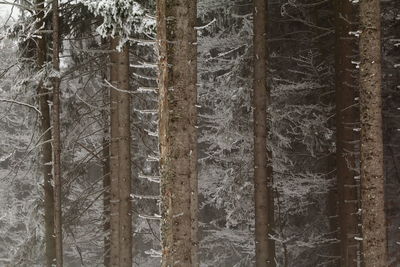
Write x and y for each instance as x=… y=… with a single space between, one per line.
x=56 y=137
x=264 y=205
x=106 y=199
x=347 y=117
x=114 y=180
x=176 y=20
x=106 y=172
x=124 y=149
x=120 y=168
x=46 y=149
x=372 y=172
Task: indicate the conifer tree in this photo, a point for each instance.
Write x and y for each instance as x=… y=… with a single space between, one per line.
x=46 y=150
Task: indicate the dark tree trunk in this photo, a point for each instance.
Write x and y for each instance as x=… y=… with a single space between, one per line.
x=124 y=149
x=106 y=169
x=114 y=180
x=46 y=149
x=56 y=137
x=106 y=198
x=120 y=159
x=347 y=118
x=263 y=183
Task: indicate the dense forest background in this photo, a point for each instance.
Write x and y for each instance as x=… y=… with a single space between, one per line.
x=302 y=139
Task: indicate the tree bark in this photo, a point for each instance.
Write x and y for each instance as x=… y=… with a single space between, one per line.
x=56 y=137
x=124 y=148
x=114 y=180
x=176 y=20
x=347 y=117
x=263 y=193
x=106 y=199
x=372 y=171
x=120 y=168
x=46 y=149
x=106 y=171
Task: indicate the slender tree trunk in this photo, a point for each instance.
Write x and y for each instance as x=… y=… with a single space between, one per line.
x=120 y=168
x=347 y=117
x=264 y=205
x=176 y=20
x=114 y=180
x=106 y=174
x=56 y=137
x=46 y=149
x=106 y=200
x=124 y=148
x=372 y=171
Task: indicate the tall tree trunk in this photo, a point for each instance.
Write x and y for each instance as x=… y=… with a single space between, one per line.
x=46 y=149
x=106 y=171
x=56 y=137
x=372 y=171
x=120 y=167
x=176 y=20
x=347 y=117
x=114 y=180
x=106 y=199
x=263 y=193
x=124 y=149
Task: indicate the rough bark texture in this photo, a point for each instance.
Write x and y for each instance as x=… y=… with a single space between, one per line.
x=176 y=20
x=347 y=117
x=120 y=159
x=264 y=206
x=56 y=137
x=372 y=172
x=46 y=149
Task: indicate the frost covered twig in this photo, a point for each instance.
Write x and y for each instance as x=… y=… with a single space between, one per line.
x=22 y=104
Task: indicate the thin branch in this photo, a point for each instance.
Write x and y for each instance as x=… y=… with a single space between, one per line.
x=22 y=104
x=29 y=9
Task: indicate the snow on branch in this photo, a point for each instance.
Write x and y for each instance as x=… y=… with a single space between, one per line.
x=121 y=18
x=22 y=104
